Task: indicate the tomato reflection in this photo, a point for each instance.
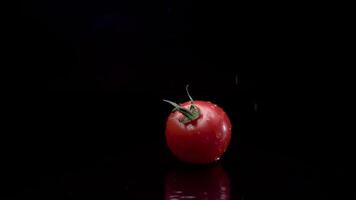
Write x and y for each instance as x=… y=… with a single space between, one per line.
x=199 y=184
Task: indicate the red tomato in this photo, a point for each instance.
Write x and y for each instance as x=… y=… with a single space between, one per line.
x=212 y=183
x=199 y=137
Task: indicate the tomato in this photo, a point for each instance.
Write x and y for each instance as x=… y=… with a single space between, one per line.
x=211 y=183
x=200 y=136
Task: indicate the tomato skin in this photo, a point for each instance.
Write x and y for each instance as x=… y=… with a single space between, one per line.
x=200 y=141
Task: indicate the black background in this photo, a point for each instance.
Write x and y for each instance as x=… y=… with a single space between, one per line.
x=87 y=79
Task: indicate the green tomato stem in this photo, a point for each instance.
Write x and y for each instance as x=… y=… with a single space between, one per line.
x=192 y=114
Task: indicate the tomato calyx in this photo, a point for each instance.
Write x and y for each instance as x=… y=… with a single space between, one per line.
x=190 y=114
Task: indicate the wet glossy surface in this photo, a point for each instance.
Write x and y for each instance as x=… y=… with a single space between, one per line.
x=211 y=182
x=251 y=174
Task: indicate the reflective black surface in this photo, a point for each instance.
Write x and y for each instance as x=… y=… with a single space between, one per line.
x=138 y=173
